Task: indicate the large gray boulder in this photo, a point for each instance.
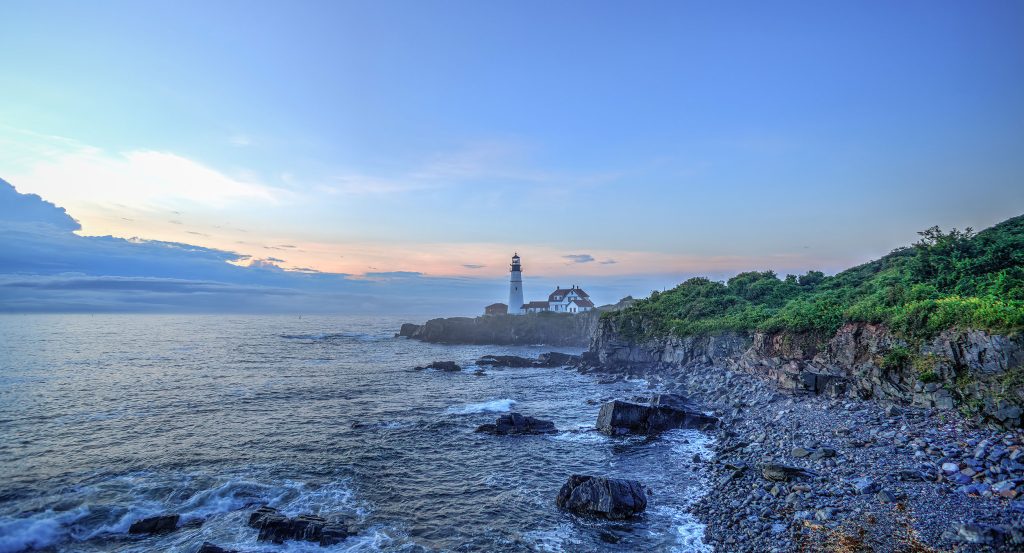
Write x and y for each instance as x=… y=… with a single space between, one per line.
x=605 y=497
x=277 y=528
x=666 y=412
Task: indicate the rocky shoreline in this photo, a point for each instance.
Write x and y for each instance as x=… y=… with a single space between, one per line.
x=878 y=478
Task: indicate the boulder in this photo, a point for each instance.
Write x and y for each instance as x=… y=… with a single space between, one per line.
x=447 y=366
x=557 y=359
x=783 y=473
x=621 y=417
x=408 y=329
x=208 y=547
x=159 y=524
x=605 y=497
x=514 y=423
x=277 y=528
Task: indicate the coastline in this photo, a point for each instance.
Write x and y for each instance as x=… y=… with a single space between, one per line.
x=884 y=477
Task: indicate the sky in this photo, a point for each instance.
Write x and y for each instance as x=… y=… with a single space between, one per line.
x=622 y=146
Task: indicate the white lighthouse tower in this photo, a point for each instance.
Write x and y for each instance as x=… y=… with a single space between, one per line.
x=515 y=287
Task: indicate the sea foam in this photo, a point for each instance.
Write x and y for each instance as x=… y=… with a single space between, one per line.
x=492 y=406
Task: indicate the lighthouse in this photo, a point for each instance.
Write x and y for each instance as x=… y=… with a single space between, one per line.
x=515 y=287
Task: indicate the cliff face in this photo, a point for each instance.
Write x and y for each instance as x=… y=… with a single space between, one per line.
x=552 y=329
x=977 y=372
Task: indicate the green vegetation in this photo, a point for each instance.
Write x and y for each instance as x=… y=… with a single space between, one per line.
x=945 y=280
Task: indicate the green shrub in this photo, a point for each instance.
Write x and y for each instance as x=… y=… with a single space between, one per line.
x=947 y=280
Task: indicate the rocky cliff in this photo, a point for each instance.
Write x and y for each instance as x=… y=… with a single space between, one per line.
x=979 y=373
x=552 y=329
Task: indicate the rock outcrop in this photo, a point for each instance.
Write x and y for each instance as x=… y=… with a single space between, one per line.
x=159 y=524
x=208 y=547
x=514 y=423
x=446 y=366
x=605 y=497
x=277 y=528
x=665 y=412
x=979 y=372
x=550 y=359
x=553 y=329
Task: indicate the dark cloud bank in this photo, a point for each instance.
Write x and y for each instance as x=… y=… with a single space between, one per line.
x=45 y=267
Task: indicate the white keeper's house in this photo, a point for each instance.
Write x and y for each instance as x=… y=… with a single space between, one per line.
x=562 y=300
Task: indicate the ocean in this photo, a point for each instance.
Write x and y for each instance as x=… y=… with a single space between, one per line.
x=106 y=419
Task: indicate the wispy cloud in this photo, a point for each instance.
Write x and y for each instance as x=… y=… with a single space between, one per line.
x=579 y=258
x=240 y=140
x=473 y=266
x=608 y=262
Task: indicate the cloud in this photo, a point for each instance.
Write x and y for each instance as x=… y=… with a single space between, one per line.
x=77 y=174
x=608 y=262
x=394 y=274
x=473 y=266
x=579 y=258
x=240 y=140
x=46 y=267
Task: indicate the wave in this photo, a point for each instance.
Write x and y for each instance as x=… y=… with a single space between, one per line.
x=687 y=530
x=94 y=519
x=581 y=435
x=37 y=531
x=492 y=406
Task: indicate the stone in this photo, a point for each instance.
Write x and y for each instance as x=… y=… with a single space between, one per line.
x=799 y=452
x=208 y=547
x=1009 y=414
x=278 y=528
x=604 y=497
x=159 y=524
x=557 y=359
x=446 y=366
x=865 y=485
x=950 y=468
x=514 y=423
x=783 y=473
x=885 y=496
x=976 y=534
x=823 y=453
x=621 y=417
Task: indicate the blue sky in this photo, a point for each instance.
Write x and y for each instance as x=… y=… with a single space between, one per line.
x=656 y=139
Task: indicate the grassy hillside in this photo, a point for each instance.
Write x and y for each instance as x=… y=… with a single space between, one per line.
x=954 y=279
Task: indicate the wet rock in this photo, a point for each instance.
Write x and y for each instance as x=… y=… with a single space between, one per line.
x=822 y=453
x=208 y=547
x=799 y=452
x=783 y=473
x=620 y=417
x=159 y=524
x=514 y=423
x=446 y=366
x=557 y=359
x=606 y=497
x=865 y=485
x=408 y=329
x=277 y=528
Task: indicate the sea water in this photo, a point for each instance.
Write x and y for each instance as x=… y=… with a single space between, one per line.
x=107 y=419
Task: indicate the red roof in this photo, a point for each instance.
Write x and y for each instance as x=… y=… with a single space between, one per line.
x=583 y=303
x=536 y=305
